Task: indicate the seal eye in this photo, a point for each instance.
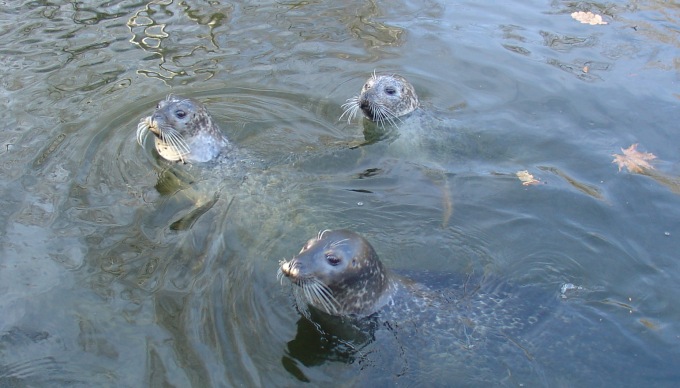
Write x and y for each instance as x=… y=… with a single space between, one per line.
x=180 y=114
x=390 y=90
x=332 y=259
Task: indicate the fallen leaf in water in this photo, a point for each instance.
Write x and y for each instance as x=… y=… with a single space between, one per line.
x=649 y=324
x=588 y=18
x=634 y=160
x=526 y=178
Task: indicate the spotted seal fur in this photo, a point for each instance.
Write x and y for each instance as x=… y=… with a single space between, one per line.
x=184 y=131
x=383 y=98
x=339 y=272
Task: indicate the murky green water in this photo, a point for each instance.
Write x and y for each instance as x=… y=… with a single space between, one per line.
x=99 y=289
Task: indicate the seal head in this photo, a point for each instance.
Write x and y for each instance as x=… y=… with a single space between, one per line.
x=383 y=98
x=338 y=272
x=183 y=130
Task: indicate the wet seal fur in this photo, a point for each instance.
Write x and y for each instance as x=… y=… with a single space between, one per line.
x=447 y=330
x=383 y=98
x=184 y=131
x=339 y=273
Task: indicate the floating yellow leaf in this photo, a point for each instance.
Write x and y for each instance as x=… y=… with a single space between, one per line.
x=588 y=18
x=634 y=160
x=526 y=178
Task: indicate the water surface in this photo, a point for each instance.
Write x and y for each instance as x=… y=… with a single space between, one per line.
x=98 y=287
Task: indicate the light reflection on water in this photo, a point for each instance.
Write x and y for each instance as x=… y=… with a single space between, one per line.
x=98 y=289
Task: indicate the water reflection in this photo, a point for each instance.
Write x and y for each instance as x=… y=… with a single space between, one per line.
x=181 y=55
x=320 y=339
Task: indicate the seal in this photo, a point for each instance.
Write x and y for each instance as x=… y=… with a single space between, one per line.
x=184 y=131
x=383 y=98
x=436 y=329
x=339 y=273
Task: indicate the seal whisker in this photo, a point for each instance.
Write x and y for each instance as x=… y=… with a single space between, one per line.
x=388 y=115
x=351 y=108
x=381 y=114
x=391 y=117
x=336 y=244
x=317 y=298
x=376 y=110
x=178 y=141
x=300 y=302
x=279 y=274
x=321 y=233
x=313 y=295
x=306 y=289
x=175 y=141
x=143 y=130
x=324 y=296
x=330 y=298
x=171 y=140
x=316 y=289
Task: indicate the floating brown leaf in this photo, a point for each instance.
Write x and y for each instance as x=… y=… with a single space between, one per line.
x=649 y=324
x=588 y=18
x=634 y=160
x=526 y=178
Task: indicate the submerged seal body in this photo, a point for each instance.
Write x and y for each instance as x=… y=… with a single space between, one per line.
x=339 y=272
x=383 y=98
x=184 y=131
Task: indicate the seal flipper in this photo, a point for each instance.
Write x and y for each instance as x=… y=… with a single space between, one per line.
x=187 y=221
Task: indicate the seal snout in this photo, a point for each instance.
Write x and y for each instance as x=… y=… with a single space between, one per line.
x=154 y=127
x=290 y=269
x=367 y=108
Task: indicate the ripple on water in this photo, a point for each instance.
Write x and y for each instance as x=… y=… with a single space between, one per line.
x=89 y=252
